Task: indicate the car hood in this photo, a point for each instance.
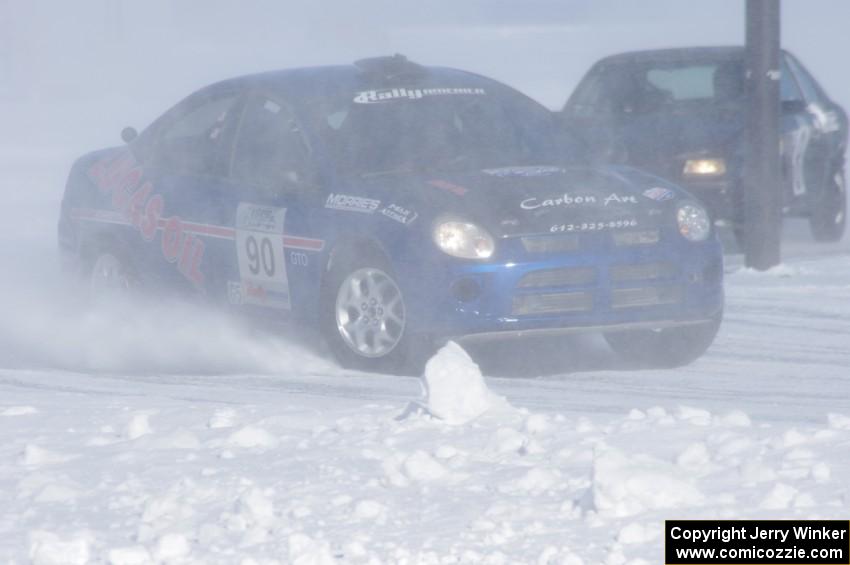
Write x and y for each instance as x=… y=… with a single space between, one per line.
x=662 y=140
x=533 y=200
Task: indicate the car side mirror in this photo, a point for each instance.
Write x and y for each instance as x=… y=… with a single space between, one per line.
x=793 y=106
x=128 y=134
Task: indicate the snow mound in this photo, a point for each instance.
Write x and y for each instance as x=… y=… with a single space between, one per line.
x=624 y=486
x=18 y=411
x=46 y=548
x=455 y=388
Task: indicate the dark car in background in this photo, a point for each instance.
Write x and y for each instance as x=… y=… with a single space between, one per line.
x=394 y=206
x=679 y=113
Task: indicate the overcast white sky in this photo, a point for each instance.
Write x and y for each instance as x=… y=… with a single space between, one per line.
x=151 y=53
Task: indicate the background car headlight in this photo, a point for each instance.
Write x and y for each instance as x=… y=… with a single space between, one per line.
x=464 y=240
x=705 y=167
x=694 y=223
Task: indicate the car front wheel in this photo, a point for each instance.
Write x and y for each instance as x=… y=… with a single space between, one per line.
x=364 y=317
x=665 y=348
x=829 y=215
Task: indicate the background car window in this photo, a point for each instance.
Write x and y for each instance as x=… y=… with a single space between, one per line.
x=684 y=83
x=788 y=89
x=811 y=91
x=193 y=141
x=270 y=150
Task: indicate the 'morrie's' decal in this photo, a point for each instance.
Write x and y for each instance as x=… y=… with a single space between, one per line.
x=135 y=202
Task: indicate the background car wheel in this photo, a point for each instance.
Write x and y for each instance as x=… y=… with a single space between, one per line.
x=110 y=275
x=829 y=215
x=667 y=348
x=364 y=318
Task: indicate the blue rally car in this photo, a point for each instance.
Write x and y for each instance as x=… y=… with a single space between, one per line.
x=394 y=206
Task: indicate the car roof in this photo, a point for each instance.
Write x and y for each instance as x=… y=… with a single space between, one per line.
x=717 y=53
x=308 y=82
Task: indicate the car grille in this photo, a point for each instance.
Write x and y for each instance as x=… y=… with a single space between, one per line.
x=647 y=296
x=576 y=276
x=550 y=243
x=556 y=303
x=644 y=272
x=631 y=238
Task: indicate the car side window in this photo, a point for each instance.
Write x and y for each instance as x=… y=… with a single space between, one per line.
x=270 y=152
x=811 y=91
x=789 y=91
x=193 y=140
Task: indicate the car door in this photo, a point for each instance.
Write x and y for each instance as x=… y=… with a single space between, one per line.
x=275 y=265
x=189 y=216
x=796 y=134
x=826 y=135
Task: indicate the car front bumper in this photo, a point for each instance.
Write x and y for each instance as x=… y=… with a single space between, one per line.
x=599 y=287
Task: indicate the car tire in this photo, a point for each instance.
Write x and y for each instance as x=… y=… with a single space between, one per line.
x=110 y=274
x=828 y=219
x=364 y=319
x=664 y=348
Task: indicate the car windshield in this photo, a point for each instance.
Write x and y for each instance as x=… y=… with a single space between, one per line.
x=406 y=129
x=647 y=88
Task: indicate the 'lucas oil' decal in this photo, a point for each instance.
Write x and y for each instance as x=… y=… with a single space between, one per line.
x=135 y=202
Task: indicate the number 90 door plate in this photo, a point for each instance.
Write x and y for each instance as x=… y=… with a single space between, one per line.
x=259 y=249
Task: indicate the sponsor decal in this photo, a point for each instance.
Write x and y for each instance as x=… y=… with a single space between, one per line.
x=234 y=292
x=523 y=171
x=390 y=94
x=659 y=194
x=135 y=204
x=594 y=226
x=448 y=186
x=571 y=200
x=399 y=214
x=352 y=203
x=259 y=251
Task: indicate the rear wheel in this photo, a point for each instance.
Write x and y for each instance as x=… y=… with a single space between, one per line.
x=667 y=348
x=828 y=219
x=111 y=275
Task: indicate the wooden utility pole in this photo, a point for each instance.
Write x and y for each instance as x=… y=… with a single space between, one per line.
x=762 y=176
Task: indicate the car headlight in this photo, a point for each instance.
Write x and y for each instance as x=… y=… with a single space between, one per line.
x=463 y=239
x=694 y=223
x=705 y=168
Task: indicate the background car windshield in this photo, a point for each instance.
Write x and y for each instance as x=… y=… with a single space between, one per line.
x=630 y=89
x=440 y=132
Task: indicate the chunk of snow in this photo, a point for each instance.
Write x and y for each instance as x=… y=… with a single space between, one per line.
x=132 y=555
x=303 y=550
x=422 y=467
x=47 y=548
x=779 y=497
x=838 y=421
x=35 y=456
x=251 y=436
x=138 y=426
x=736 y=419
x=694 y=458
x=172 y=547
x=623 y=485
x=455 y=388
x=635 y=532
x=369 y=510
x=223 y=418
x=18 y=411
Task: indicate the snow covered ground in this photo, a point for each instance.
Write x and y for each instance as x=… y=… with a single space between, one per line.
x=254 y=450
